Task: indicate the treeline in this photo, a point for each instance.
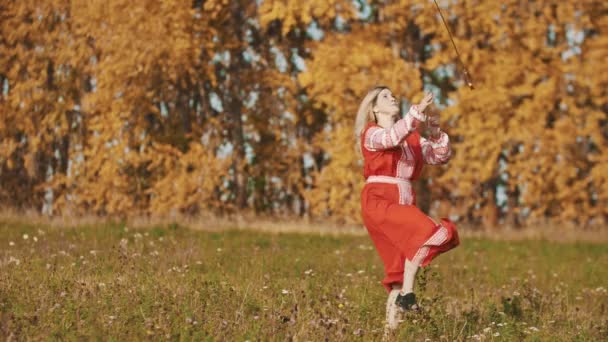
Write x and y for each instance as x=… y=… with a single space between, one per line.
x=171 y=107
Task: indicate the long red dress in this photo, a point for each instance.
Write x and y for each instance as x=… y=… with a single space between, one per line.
x=393 y=158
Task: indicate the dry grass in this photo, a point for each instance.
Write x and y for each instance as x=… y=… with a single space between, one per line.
x=247 y=222
x=166 y=282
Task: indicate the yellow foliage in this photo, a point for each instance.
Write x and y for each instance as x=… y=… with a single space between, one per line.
x=111 y=107
x=343 y=69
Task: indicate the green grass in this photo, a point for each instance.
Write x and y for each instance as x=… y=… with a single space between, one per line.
x=169 y=282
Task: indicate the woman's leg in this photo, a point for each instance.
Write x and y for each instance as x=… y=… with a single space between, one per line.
x=412 y=232
x=411 y=266
x=392 y=310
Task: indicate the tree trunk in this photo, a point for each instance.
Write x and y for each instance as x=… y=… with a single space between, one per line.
x=236 y=119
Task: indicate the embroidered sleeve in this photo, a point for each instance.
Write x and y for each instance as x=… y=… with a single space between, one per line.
x=438 y=151
x=378 y=138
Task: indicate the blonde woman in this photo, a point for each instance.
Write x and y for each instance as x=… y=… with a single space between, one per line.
x=394 y=153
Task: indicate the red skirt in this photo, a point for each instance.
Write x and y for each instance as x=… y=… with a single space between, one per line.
x=399 y=231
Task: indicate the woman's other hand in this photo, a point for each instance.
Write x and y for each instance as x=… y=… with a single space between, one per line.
x=426 y=101
x=433 y=125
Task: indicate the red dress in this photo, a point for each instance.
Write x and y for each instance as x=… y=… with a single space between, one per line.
x=392 y=159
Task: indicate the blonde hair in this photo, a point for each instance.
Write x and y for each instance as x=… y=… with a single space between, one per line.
x=365 y=114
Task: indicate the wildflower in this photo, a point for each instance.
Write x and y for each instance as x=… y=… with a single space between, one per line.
x=496 y=334
x=25 y=237
x=534 y=329
x=35 y=239
x=284 y=291
x=11 y=243
x=307 y=272
x=219 y=249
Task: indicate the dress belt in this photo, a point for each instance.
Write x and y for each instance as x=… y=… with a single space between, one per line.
x=387 y=179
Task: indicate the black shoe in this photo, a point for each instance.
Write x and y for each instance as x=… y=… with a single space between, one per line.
x=407 y=302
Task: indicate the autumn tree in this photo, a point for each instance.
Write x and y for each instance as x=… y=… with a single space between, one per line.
x=164 y=108
x=528 y=140
x=530 y=137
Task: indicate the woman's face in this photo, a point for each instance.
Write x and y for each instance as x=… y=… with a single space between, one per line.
x=386 y=103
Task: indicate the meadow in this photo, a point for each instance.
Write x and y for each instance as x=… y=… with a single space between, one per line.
x=168 y=282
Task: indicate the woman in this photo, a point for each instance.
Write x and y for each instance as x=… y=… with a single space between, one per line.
x=394 y=153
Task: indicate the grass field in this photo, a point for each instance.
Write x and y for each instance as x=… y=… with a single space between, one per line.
x=170 y=282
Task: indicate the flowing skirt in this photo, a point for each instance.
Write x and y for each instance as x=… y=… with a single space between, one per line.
x=399 y=231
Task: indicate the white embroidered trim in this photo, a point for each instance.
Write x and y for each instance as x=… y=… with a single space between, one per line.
x=386 y=179
x=437 y=239
x=418 y=115
x=442 y=142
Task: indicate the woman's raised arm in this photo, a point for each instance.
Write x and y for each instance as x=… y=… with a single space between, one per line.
x=377 y=138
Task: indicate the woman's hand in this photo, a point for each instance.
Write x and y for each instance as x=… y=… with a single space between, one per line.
x=433 y=125
x=426 y=101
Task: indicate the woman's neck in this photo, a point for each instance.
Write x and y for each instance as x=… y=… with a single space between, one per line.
x=386 y=121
